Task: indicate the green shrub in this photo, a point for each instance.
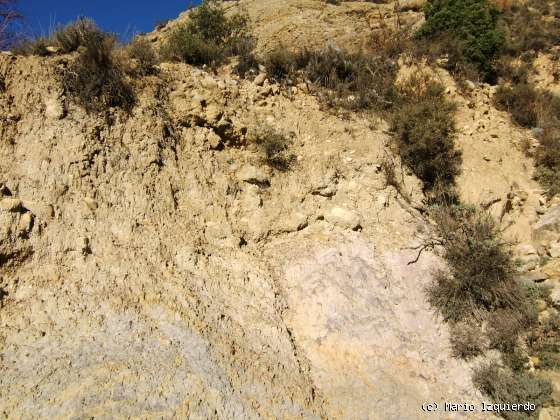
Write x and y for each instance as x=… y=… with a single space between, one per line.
x=95 y=79
x=536 y=291
x=191 y=49
x=480 y=270
x=275 y=148
x=208 y=37
x=471 y=25
x=424 y=128
x=504 y=386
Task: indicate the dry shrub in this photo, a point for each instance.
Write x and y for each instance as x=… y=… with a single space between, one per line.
x=467 y=340
x=544 y=342
x=343 y=79
x=504 y=386
x=248 y=65
x=506 y=326
x=480 y=271
x=280 y=63
x=521 y=101
x=390 y=42
x=503 y=5
x=548 y=161
x=275 y=149
x=76 y=34
x=388 y=166
x=347 y=80
x=141 y=49
x=37 y=46
x=352 y=80
x=95 y=79
x=424 y=128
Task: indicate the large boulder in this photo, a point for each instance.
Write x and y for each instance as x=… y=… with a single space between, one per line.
x=548 y=226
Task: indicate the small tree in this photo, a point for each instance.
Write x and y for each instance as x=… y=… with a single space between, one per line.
x=208 y=37
x=472 y=28
x=8 y=14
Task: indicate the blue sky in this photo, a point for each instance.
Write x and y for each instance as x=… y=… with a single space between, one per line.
x=124 y=17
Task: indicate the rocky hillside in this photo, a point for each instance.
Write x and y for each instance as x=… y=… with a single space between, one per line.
x=152 y=265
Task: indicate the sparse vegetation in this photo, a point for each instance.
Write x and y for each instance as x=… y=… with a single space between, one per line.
x=388 y=166
x=531 y=107
x=208 y=37
x=544 y=342
x=95 y=79
x=348 y=80
x=529 y=31
x=421 y=118
x=274 y=147
x=504 y=386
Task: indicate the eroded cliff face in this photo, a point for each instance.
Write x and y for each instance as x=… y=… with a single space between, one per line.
x=151 y=265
